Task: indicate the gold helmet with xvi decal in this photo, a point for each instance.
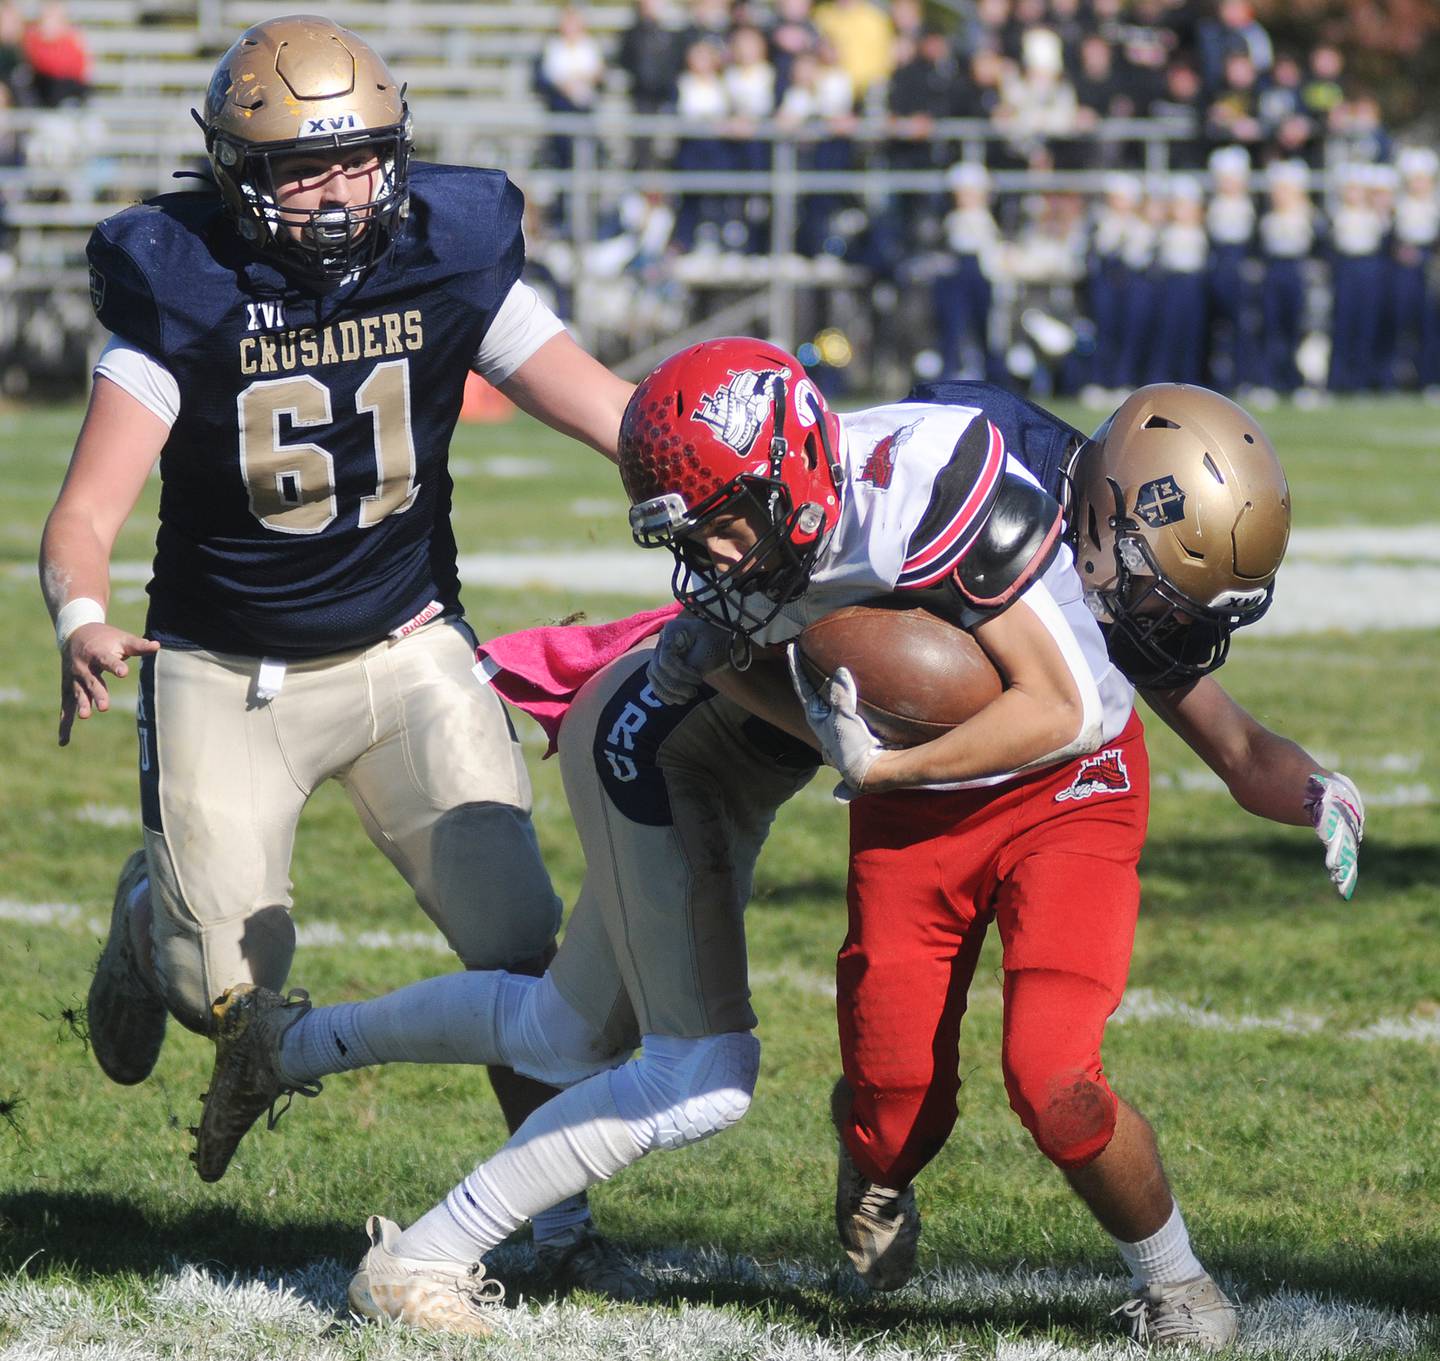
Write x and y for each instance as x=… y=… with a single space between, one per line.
x=1180 y=514
x=296 y=86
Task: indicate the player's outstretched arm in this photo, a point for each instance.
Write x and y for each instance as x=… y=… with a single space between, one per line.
x=571 y=392
x=1264 y=772
x=117 y=446
x=1267 y=774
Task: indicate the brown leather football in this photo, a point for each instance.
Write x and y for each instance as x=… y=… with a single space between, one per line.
x=918 y=675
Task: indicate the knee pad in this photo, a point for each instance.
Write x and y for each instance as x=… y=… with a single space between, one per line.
x=544 y=1037
x=486 y=887
x=1054 y=1024
x=679 y=1091
x=1070 y=1115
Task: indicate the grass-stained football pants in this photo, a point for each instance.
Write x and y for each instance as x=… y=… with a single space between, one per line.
x=423 y=749
x=1051 y=858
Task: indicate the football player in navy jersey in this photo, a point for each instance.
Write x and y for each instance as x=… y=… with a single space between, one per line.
x=292 y=347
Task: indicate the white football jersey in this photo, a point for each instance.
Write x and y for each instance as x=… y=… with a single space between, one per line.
x=919 y=480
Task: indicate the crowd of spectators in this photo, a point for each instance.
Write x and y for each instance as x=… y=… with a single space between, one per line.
x=1283 y=210
x=1042 y=72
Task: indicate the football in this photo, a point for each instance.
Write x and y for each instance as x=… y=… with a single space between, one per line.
x=918 y=675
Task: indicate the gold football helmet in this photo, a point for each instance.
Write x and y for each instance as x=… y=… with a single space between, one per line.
x=303 y=84
x=1179 y=517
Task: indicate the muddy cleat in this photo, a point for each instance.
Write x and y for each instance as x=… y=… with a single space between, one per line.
x=879 y=1228
x=1192 y=1314
x=246 y=1081
x=126 y=1015
x=584 y=1259
x=438 y=1297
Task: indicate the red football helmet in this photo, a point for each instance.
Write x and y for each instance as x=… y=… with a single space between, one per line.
x=732 y=426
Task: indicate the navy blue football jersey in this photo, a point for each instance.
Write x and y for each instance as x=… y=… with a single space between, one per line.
x=305 y=502
x=1038 y=440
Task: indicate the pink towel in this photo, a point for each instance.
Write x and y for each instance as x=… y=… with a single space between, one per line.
x=540 y=670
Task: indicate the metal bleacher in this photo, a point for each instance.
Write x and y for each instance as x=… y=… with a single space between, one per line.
x=469 y=71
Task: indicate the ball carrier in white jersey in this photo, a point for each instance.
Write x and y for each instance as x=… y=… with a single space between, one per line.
x=650 y=783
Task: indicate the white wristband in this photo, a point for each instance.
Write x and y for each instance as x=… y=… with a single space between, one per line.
x=74 y=614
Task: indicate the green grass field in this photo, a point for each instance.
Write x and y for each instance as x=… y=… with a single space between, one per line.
x=1285 y=1043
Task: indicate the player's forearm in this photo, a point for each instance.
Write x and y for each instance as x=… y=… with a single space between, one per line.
x=1264 y=772
x=1015 y=730
x=571 y=392
x=74 y=560
x=1271 y=781
x=764 y=688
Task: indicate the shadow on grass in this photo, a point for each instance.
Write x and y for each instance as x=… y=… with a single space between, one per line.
x=1251 y=871
x=100 y=1235
x=90 y=1237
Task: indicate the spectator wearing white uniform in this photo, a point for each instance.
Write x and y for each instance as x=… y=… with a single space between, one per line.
x=820 y=91
x=1181 y=255
x=962 y=293
x=1109 y=282
x=701 y=99
x=749 y=81
x=568 y=75
x=1416 y=309
x=1141 y=296
x=1230 y=222
x=1287 y=238
x=1358 y=274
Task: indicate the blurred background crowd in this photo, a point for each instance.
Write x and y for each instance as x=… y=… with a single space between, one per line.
x=1070 y=196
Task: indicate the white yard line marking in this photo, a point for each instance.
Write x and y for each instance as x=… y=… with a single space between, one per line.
x=108 y=815
x=1402 y=543
x=1351 y=597
x=302 y=1315
x=1349 y=580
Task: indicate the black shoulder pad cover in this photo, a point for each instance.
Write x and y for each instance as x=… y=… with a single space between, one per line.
x=1015 y=547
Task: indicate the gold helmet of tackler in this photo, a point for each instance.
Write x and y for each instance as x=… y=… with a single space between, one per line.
x=1180 y=514
x=303 y=84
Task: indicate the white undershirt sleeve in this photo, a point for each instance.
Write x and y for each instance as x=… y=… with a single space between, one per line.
x=521 y=326
x=143 y=376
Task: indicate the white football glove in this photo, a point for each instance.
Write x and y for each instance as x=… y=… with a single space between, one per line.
x=845 y=740
x=1338 y=816
x=689 y=650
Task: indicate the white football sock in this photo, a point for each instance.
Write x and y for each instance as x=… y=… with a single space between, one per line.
x=476 y=1017
x=1165 y=1258
x=573 y=1141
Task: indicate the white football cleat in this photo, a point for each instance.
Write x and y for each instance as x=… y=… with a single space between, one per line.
x=879 y=1227
x=1192 y=1314
x=437 y=1297
x=125 y=1016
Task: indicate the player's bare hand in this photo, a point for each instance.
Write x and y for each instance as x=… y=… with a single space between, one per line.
x=1338 y=816
x=89 y=652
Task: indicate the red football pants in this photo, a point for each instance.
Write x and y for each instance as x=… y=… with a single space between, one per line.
x=1052 y=858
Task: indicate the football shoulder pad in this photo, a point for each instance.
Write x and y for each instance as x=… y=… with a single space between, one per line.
x=1014 y=547
x=466 y=221
x=153 y=274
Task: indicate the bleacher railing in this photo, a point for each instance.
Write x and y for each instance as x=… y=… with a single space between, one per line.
x=129 y=149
